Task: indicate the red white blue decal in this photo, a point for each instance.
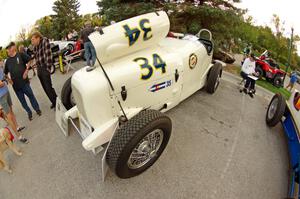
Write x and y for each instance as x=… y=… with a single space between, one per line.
x=157 y=87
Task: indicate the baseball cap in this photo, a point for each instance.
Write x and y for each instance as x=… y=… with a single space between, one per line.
x=10 y=45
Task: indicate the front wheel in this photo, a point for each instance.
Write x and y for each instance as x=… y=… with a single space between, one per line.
x=275 y=110
x=213 y=79
x=138 y=143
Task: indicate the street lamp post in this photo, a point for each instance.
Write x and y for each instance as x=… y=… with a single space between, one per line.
x=290 y=53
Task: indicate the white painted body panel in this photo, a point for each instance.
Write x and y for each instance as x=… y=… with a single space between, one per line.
x=114 y=44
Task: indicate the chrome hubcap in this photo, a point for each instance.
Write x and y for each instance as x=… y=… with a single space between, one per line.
x=72 y=99
x=217 y=82
x=272 y=108
x=146 y=149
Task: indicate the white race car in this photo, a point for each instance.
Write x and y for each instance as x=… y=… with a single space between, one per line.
x=140 y=73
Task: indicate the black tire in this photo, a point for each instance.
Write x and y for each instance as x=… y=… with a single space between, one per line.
x=52 y=69
x=277 y=81
x=66 y=95
x=276 y=110
x=260 y=72
x=70 y=47
x=130 y=135
x=213 y=79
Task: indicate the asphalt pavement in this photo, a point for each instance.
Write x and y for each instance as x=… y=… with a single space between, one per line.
x=220 y=147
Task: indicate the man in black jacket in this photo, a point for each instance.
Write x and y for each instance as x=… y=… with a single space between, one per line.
x=16 y=66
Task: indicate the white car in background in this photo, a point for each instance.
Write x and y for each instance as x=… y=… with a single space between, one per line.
x=67 y=45
x=140 y=73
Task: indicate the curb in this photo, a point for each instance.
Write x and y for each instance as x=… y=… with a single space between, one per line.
x=234 y=79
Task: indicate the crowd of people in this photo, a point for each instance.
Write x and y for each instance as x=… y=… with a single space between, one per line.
x=14 y=71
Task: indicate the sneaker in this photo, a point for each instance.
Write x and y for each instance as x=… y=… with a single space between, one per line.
x=20 y=128
x=245 y=91
x=23 y=140
x=251 y=95
x=39 y=112
x=30 y=117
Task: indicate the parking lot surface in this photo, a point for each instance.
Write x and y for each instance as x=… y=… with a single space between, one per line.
x=220 y=147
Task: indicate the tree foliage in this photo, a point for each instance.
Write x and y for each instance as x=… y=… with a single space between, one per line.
x=66 y=18
x=232 y=31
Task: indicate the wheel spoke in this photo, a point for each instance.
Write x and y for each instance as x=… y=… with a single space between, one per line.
x=146 y=149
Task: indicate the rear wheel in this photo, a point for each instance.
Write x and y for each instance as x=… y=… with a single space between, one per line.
x=260 y=72
x=67 y=97
x=138 y=143
x=278 y=81
x=275 y=110
x=214 y=78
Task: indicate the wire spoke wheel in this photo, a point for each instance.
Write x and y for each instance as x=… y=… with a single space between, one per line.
x=146 y=149
x=273 y=108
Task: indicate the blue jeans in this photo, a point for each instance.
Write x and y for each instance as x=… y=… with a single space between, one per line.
x=89 y=53
x=26 y=90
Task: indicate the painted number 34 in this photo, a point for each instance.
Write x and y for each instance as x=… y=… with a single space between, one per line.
x=134 y=33
x=147 y=68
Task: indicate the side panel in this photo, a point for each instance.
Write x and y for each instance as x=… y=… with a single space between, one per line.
x=91 y=92
x=162 y=87
x=195 y=76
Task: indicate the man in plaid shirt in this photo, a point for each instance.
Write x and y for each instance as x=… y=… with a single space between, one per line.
x=43 y=56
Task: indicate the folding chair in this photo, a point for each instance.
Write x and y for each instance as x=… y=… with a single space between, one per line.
x=69 y=58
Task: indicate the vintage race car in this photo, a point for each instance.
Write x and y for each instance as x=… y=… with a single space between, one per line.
x=140 y=73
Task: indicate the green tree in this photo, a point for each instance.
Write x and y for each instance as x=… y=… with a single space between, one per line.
x=66 y=18
x=231 y=28
x=45 y=26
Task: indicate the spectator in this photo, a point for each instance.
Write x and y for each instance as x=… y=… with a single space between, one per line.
x=6 y=111
x=43 y=57
x=24 y=50
x=248 y=68
x=293 y=79
x=246 y=52
x=16 y=66
x=90 y=52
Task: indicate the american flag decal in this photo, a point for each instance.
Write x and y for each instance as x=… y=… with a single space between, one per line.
x=157 y=87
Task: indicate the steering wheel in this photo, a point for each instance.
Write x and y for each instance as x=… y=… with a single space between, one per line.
x=204 y=30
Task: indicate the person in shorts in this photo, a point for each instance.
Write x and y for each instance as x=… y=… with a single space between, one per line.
x=293 y=80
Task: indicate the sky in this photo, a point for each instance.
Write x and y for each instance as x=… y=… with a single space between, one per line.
x=262 y=12
x=15 y=14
